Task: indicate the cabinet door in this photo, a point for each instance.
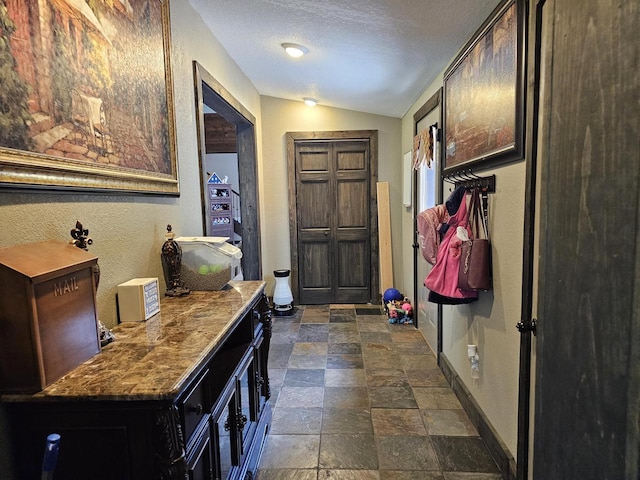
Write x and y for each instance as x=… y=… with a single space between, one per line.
x=223 y=432
x=246 y=414
x=260 y=394
x=200 y=465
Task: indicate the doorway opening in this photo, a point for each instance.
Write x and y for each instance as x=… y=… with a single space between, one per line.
x=227 y=147
x=427 y=192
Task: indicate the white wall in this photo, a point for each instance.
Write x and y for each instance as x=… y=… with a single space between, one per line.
x=224 y=164
x=282 y=116
x=490 y=322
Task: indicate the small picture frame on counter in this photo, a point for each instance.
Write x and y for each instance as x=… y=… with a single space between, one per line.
x=138 y=299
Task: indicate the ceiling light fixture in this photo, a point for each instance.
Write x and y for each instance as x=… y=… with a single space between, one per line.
x=310 y=102
x=294 y=50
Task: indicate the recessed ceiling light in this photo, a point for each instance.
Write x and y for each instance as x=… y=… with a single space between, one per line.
x=310 y=102
x=294 y=50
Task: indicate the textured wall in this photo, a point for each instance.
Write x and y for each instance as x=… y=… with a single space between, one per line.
x=290 y=116
x=490 y=322
x=128 y=231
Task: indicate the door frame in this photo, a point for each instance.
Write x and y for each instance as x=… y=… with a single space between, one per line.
x=210 y=92
x=367 y=135
x=435 y=101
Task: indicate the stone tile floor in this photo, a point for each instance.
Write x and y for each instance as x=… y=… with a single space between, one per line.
x=357 y=398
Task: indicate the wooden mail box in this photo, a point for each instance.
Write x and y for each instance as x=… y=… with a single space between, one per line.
x=48 y=320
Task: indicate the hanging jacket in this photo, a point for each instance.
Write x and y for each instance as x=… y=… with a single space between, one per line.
x=429 y=222
x=443 y=277
x=433 y=223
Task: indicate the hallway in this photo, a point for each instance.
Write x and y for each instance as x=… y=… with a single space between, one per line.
x=357 y=398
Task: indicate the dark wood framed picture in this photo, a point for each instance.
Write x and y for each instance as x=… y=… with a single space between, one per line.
x=484 y=94
x=87 y=96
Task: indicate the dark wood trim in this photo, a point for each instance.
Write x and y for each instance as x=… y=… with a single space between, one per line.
x=293 y=213
x=434 y=102
x=223 y=93
x=504 y=460
x=200 y=133
x=249 y=204
x=372 y=137
x=530 y=154
x=210 y=92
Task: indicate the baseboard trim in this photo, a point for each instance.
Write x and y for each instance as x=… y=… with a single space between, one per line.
x=505 y=461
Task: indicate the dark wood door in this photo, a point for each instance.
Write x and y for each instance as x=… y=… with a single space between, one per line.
x=588 y=374
x=333 y=222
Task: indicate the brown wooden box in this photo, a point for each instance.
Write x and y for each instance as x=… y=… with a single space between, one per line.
x=48 y=320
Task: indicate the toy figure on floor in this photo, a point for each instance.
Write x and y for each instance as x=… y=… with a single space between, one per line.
x=397 y=307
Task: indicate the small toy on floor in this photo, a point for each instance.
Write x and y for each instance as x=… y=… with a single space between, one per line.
x=397 y=307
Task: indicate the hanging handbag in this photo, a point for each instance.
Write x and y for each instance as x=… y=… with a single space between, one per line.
x=475 y=258
x=443 y=277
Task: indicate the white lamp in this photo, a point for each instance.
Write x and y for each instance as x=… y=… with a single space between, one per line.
x=310 y=102
x=282 y=296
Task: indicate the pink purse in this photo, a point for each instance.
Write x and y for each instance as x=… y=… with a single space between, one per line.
x=443 y=277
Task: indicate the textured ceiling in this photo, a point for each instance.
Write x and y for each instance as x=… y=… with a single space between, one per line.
x=374 y=56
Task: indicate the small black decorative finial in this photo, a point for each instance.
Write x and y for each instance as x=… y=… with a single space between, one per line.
x=80 y=236
x=81 y=240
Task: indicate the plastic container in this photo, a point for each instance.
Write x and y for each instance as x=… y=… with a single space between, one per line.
x=208 y=263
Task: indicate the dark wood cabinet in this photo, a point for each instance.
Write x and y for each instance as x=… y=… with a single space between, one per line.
x=212 y=427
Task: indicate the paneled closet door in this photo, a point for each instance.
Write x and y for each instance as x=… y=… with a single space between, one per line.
x=588 y=335
x=333 y=221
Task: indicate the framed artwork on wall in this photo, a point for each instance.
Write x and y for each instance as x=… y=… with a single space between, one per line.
x=87 y=98
x=484 y=94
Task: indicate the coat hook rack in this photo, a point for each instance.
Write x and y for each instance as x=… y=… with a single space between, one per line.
x=470 y=180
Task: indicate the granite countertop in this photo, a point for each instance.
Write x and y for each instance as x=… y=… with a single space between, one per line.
x=155 y=360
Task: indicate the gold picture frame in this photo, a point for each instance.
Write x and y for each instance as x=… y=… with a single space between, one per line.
x=91 y=97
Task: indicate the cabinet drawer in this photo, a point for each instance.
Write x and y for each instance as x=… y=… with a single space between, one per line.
x=256 y=325
x=195 y=406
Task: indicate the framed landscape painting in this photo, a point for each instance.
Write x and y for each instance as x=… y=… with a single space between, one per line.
x=86 y=96
x=484 y=94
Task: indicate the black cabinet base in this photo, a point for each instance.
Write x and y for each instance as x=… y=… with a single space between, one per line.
x=173 y=436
